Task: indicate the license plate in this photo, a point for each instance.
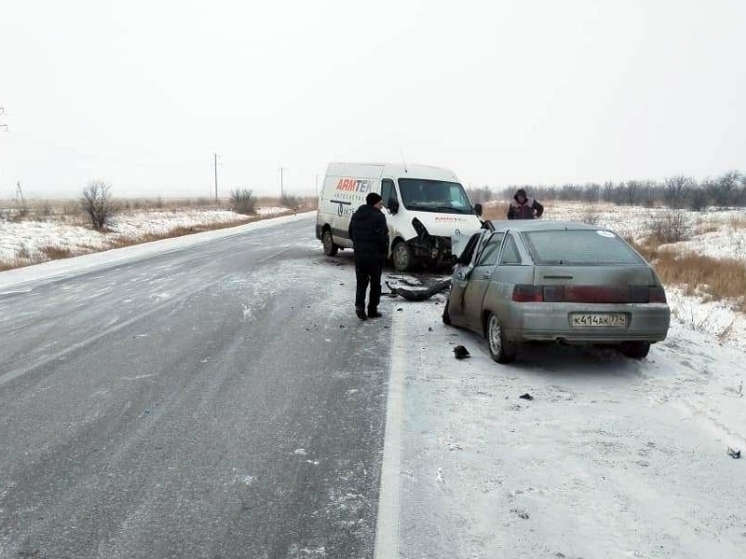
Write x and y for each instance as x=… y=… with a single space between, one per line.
x=590 y=320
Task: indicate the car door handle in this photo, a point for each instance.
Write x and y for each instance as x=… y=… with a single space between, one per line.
x=486 y=275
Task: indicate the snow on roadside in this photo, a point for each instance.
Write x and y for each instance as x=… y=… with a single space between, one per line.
x=272 y=210
x=605 y=457
x=28 y=240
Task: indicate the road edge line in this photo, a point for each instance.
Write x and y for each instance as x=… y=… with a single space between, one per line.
x=387 y=519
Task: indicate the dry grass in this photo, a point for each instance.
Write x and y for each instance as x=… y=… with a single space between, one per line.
x=737 y=222
x=52 y=252
x=704 y=227
x=496 y=211
x=11 y=265
x=716 y=278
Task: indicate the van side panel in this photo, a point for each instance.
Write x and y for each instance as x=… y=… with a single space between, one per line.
x=345 y=187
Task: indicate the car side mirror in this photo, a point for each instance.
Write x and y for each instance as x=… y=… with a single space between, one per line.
x=393 y=206
x=478 y=209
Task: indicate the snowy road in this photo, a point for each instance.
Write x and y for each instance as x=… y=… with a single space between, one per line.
x=219 y=400
x=211 y=402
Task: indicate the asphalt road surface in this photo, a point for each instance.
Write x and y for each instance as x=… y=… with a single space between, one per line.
x=212 y=402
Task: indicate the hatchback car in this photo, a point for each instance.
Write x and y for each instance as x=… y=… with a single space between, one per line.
x=554 y=281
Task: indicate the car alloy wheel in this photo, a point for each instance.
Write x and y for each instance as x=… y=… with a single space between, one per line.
x=496 y=341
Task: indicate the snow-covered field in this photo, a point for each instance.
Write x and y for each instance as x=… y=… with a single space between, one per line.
x=610 y=457
x=28 y=240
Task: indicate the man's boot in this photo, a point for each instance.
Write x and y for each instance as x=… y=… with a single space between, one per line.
x=361 y=314
x=373 y=313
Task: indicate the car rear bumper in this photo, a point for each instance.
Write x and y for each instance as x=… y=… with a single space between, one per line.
x=551 y=322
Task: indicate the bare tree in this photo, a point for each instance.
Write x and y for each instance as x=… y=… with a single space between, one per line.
x=608 y=192
x=676 y=191
x=698 y=197
x=243 y=201
x=97 y=204
x=727 y=188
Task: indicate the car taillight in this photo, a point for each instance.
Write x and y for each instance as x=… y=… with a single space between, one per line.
x=528 y=294
x=657 y=295
x=593 y=294
x=554 y=293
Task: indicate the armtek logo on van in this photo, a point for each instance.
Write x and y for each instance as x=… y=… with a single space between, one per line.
x=448 y=219
x=354 y=185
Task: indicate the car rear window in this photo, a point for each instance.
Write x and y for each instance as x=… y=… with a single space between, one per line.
x=579 y=248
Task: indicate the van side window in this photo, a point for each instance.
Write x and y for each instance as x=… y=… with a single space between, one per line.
x=488 y=257
x=388 y=192
x=510 y=252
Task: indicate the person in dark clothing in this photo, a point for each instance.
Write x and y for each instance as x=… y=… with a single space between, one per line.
x=370 y=242
x=523 y=207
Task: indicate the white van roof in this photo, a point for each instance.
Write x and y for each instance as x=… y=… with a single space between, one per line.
x=397 y=170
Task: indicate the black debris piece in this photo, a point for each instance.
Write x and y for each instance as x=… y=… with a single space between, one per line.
x=526 y=396
x=419 y=293
x=460 y=352
x=734 y=452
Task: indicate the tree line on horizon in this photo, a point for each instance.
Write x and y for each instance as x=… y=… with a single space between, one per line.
x=677 y=192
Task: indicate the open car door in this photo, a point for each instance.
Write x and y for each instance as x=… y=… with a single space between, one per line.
x=462 y=271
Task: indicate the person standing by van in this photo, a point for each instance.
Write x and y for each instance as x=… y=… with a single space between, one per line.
x=523 y=207
x=370 y=242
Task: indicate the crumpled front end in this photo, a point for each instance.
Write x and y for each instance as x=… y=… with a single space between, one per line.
x=433 y=251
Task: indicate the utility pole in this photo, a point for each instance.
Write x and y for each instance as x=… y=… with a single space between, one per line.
x=282 y=183
x=19 y=194
x=215 y=164
x=4 y=127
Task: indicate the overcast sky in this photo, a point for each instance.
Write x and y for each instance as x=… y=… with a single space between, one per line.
x=143 y=93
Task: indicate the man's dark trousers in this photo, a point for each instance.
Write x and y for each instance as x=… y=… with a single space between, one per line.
x=368 y=273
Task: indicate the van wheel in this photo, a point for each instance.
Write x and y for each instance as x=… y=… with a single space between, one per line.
x=635 y=350
x=402 y=256
x=330 y=249
x=500 y=351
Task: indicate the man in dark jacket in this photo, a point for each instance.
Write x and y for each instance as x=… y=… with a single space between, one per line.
x=370 y=241
x=523 y=207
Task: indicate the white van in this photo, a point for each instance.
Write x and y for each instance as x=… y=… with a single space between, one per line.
x=424 y=207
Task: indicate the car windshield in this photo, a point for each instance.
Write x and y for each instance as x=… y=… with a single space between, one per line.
x=434 y=196
x=579 y=248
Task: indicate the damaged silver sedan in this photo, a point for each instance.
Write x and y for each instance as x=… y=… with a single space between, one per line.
x=551 y=281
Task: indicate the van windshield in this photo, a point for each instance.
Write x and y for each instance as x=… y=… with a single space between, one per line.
x=427 y=195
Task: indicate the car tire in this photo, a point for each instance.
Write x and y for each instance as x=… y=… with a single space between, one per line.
x=330 y=249
x=500 y=350
x=402 y=257
x=635 y=350
x=446 y=315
